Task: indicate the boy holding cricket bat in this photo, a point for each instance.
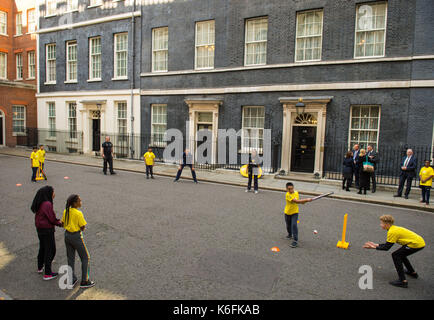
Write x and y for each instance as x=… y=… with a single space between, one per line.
x=291 y=212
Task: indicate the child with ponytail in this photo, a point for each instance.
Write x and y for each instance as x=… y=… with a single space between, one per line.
x=74 y=224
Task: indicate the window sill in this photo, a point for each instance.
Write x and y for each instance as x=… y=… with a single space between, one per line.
x=201 y=69
x=19 y=134
x=4 y=35
x=17 y=35
x=53 y=139
x=94 y=80
x=49 y=83
x=31 y=79
x=16 y=80
x=369 y=57
x=94 y=6
x=70 y=81
x=307 y=61
x=255 y=65
x=120 y=79
x=51 y=15
x=72 y=141
x=160 y=71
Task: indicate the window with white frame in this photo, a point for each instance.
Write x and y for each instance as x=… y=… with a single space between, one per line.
x=364 y=126
x=51 y=119
x=121 y=55
x=72 y=5
x=122 y=121
x=18 y=119
x=50 y=7
x=205 y=44
x=95 y=3
x=160 y=49
x=252 y=134
x=71 y=61
x=3 y=65
x=370 y=30
x=19 y=24
x=309 y=36
x=158 y=124
x=51 y=63
x=72 y=120
x=31 y=60
x=95 y=58
x=31 y=20
x=19 y=66
x=3 y=22
x=256 y=41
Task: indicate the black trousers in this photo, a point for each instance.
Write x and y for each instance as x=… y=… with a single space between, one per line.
x=374 y=181
x=255 y=182
x=75 y=242
x=400 y=258
x=108 y=160
x=193 y=172
x=402 y=180
x=149 y=171
x=47 y=249
x=348 y=181
x=356 y=176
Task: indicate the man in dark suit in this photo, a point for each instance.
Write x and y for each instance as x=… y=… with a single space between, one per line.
x=408 y=172
x=356 y=166
x=373 y=158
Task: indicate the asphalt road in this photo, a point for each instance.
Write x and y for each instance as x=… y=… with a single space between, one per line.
x=155 y=239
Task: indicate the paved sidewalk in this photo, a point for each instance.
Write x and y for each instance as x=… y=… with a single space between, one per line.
x=384 y=195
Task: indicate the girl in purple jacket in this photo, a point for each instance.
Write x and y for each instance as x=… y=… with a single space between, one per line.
x=45 y=220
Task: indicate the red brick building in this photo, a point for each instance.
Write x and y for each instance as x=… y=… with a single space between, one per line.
x=18 y=71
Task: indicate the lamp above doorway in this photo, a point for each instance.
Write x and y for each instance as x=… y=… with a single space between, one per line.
x=300 y=106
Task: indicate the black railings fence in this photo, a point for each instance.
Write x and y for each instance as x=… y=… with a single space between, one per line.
x=388 y=166
x=207 y=154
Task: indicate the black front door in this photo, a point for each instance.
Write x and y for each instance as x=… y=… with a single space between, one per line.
x=303 y=149
x=96 y=135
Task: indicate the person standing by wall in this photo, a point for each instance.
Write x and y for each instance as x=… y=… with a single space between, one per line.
x=373 y=158
x=187 y=160
x=408 y=173
x=253 y=171
x=107 y=154
x=364 y=176
x=149 y=157
x=348 y=171
x=426 y=174
x=45 y=221
x=356 y=166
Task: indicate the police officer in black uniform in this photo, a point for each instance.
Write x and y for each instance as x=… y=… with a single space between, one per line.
x=107 y=154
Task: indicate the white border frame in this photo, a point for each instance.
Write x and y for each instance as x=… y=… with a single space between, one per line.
x=196 y=46
x=6 y=66
x=296 y=32
x=385 y=30
x=152 y=50
x=90 y=70
x=46 y=63
x=28 y=64
x=115 y=65
x=72 y=43
x=351 y=116
x=245 y=42
x=16 y=66
x=243 y=148
x=5 y=34
x=153 y=143
x=15 y=134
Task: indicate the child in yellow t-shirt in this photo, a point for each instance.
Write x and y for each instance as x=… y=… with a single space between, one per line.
x=41 y=158
x=149 y=157
x=426 y=175
x=34 y=163
x=74 y=224
x=291 y=212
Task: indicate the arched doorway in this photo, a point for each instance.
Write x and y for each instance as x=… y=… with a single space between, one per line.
x=2 y=129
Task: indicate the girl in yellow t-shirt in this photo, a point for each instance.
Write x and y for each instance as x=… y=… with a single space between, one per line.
x=426 y=175
x=74 y=224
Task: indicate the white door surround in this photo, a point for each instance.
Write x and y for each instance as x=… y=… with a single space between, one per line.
x=88 y=110
x=315 y=106
x=195 y=107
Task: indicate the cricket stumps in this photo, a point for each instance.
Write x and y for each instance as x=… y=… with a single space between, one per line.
x=342 y=243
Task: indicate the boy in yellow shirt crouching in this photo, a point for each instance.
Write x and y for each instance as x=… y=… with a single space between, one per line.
x=410 y=242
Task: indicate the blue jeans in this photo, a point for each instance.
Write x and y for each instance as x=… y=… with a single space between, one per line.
x=291 y=225
x=34 y=172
